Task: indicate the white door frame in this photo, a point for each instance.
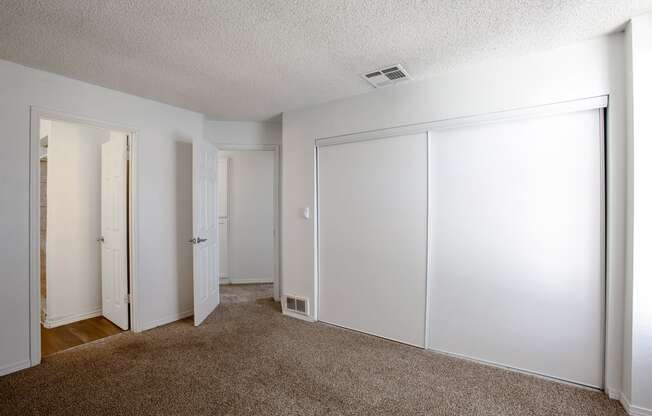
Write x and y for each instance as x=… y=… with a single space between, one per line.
x=277 y=221
x=228 y=215
x=36 y=114
x=610 y=325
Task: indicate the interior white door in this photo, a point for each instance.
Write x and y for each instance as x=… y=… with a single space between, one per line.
x=517 y=223
x=206 y=288
x=373 y=236
x=115 y=305
x=223 y=192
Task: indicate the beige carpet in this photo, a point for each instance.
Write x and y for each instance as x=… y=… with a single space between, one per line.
x=239 y=293
x=248 y=359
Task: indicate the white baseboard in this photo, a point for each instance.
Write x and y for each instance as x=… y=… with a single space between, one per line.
x=634 y=410
x=514 y=369
x=298 y=316
x=53 y=322
x=235 y=281
x=167 y=320
x=612 y=393
x=12 y=368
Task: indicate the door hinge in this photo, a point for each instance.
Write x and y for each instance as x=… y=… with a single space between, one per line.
x=128 y=150
x=128 y=298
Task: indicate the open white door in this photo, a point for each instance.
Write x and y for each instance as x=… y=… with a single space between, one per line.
x=114 y=230
x=205 y=214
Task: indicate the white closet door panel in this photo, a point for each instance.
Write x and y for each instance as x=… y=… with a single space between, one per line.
x=372 y=236
x=517 y=245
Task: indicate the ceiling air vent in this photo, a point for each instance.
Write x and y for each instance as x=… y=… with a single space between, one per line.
x=387 y=76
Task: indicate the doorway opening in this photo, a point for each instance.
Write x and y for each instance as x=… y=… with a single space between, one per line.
x=81 y=208
x=248 y=207
x=251 y=216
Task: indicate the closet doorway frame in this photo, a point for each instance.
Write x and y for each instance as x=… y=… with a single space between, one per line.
x=36 y=114
x=609 y=242
x=277 y=201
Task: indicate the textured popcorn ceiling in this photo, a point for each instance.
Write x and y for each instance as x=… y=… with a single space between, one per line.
x=251 y=60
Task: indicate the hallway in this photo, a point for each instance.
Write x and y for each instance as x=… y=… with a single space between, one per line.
x=244 y=293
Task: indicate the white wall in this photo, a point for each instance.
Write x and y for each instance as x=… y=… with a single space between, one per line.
x=242 y=132
x=588 y=69
x=163 y=182
x=638 y=324
x=251 y=216
x=74 y=278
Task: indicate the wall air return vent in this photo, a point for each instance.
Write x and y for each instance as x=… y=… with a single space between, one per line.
x=296 y=304
x=387 y=76
x=301 y=306
x=291 y=303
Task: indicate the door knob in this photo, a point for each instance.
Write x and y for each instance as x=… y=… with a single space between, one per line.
x=193 y=240
x=101 y=239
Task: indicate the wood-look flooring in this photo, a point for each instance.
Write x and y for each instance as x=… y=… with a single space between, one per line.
x=77 y=333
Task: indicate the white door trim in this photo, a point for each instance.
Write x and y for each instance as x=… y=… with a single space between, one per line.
x=429 y=207
x=226 y=219
x=537 y=111
x=581 y=104
x=36 y=113
x=277 y=219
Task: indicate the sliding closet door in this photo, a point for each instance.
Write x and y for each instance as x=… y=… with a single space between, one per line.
x=372 y=236
x=517 y=245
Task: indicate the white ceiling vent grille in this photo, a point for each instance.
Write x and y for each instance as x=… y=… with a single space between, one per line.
x=387 y=76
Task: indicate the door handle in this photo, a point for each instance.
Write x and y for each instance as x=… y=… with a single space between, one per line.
x=193 y=240
x=101 y=239
x=201 y=240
